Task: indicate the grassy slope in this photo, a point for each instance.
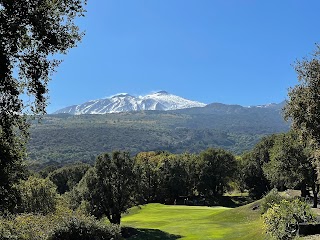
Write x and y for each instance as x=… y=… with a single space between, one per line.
x=196 y=222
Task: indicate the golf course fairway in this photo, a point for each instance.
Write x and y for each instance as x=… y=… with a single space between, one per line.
x=169 y=222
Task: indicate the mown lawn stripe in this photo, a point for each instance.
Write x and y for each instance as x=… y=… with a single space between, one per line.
x=193 y=222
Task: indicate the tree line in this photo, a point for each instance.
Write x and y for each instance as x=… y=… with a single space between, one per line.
x=118 y=181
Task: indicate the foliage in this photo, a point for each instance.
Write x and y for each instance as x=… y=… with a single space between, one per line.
x=67 y=138
x=303 y=108
x=178 y=174
x=251 y=167
x=45 y=171
x=6 y=230
x=37 y=195
x=75 y=198
x=67 y=177
x=282 y=220
x=281 y=161
x=110 y=186
x=11 y=171
x=217 y=169
x=149 y=175
x=40 y=227
x=290 y=164
x=167 y=177
x=85 y=229
x=31 y=33
x=159 y=177
x=272 y=198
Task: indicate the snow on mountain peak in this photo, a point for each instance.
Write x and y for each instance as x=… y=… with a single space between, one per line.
x=123 y=102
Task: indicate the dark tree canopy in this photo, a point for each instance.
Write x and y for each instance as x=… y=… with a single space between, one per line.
x=303 y=106
x=252 y=173
x=111 y=185
x=217 y=169
x=289 y=164
x=31 y=34
x=67 y=177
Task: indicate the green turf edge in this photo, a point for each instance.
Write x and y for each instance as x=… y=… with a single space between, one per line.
x=196 y=222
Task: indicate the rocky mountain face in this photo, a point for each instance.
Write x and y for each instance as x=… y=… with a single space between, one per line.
x=123 y=102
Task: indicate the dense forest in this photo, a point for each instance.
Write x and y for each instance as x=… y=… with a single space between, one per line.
x=68 y=138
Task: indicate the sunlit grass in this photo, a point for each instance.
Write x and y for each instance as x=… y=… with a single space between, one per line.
x=191 y=222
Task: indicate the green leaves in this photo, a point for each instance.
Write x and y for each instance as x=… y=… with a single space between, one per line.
x=67 y=177
x=37 y=196
x=217 y=168
x=282 y=220
x=111 y=185
x=31 y=33
x=290 y=163
x=61 y=224
x=303 y=106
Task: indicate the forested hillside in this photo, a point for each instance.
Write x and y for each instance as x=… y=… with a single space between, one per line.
x=69 y=138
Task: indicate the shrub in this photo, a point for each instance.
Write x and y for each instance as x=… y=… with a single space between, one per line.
x=282 y=220
x=37 y=195
x=85 y=229
x=6 y=230
x=57 y=224
x=272 y=198
x=23 y=227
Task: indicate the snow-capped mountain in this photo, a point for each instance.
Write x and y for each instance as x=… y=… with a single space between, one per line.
x=271 y=105
x=124 y=102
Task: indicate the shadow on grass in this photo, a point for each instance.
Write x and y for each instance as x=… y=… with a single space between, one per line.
x=146 y=234
x=232 y=201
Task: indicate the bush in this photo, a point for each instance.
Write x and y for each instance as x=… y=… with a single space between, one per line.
x=41 y=227
x=282 y=220
x=6 y=230
x=272 y=198
x=85 y=229
x=23 y=227
x=37 y=196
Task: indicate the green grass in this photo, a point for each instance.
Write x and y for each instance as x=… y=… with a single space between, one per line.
x=157 y=221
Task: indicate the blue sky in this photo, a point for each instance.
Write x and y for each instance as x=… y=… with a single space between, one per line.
x=228 y=51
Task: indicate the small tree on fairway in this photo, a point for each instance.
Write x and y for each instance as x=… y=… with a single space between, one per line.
x=111 y=185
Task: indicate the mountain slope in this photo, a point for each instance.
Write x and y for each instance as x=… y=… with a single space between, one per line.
x=67 y=138
x=125 y=103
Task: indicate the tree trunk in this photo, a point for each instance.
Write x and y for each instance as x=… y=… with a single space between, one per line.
x=115 y=219
x=303 y=190
x=315 y=195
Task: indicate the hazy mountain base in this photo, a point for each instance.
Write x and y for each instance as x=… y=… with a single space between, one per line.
x=68 y=138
